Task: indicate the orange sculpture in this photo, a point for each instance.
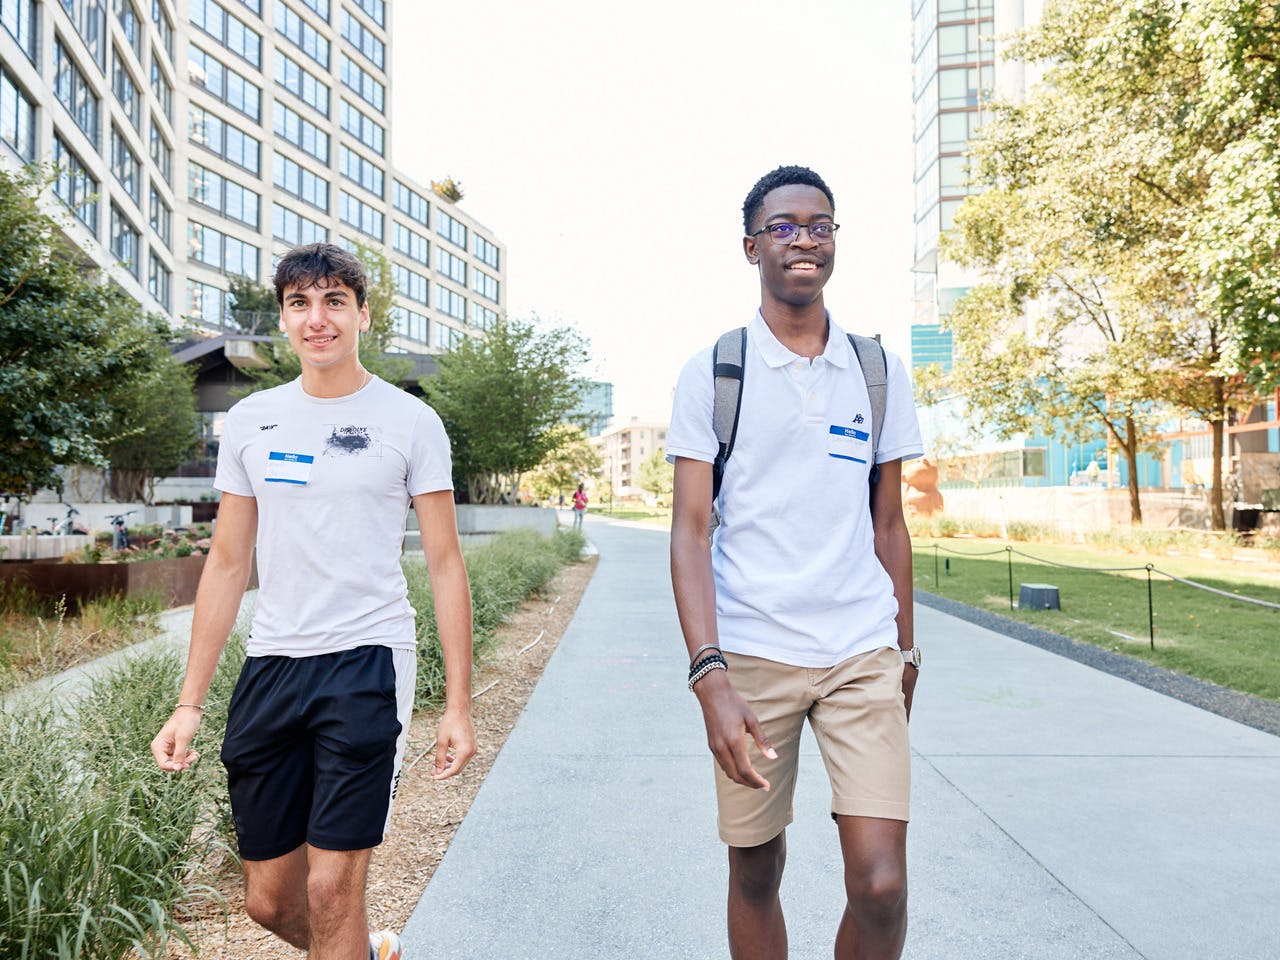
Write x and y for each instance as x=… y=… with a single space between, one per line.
x=920 y=495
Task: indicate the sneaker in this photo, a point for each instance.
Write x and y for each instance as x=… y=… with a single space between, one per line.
x=385 y=945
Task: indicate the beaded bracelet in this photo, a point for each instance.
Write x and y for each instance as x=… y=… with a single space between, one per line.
x=703 y=649
x=697 y=665
x=705 y=666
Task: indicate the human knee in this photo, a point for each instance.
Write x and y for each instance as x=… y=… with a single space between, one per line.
x=269 y=910
x=330 y=894
x=755 y=873
x=878 y=894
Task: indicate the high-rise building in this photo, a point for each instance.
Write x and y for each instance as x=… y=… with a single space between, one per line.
x=198 y=140
x=956 y=72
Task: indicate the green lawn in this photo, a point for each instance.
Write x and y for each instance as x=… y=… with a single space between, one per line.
x=1215 y=638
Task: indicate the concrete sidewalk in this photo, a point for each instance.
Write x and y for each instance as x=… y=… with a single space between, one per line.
x=1058 y=811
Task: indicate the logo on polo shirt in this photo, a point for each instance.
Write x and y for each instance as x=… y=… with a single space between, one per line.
x=858 y=419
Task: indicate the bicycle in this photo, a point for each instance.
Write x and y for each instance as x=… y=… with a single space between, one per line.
x=6 y=515
x=119 y=531
x=67 y=524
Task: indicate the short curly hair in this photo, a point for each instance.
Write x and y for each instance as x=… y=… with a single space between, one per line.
x=781 y=177
x=320 y=265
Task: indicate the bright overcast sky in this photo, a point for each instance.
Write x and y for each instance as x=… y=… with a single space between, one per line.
x=610 y=146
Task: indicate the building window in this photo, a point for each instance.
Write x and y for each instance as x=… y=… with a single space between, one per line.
x=410 y=324
x=125 y=165
x=483 y=317
x=450 y=303
x=19 y=18
x=455 y=231
x=75 y=186
x=161 y=218
x=130 y=25
x=126 y=91
x=229 y=198
x=409 y=283
x=207 y=303
x=486 y=251
x=293 y=228
x=125 y=240
x=162 y=88
x=224 y=139
x=363 y=84
x=411 y=243
x=163 y=26
x=371 y=134
x=89 y=17
x=302 y=34
x=412 y=203
x=319 y=6
x=17 y=119
x=965 y=86
x=291 y=177
x=484 y=285
x=362 y=38
x=74 y=92
x=254 y=5
x=291 y=75
x=232 y=88
x=359 y=170
x=221 y=251
x=161 y=153
x=363 y=216
x=446 y=337
x=377 y=9
x=159 y=280
x=229 y=30
x=301 y=132
x=455 y=268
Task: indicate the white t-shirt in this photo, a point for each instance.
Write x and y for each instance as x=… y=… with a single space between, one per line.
x=333 y=479
x=797 y=578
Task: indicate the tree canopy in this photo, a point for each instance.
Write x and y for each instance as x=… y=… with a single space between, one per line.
x=71 y=344
x=1128 y=234
x=503 y=399
x=574 y=460
x=657 y=476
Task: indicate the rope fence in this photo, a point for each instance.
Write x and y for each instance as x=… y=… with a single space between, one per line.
x=1148 y=568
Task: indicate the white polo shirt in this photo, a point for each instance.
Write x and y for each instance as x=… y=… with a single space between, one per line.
x=797 y=578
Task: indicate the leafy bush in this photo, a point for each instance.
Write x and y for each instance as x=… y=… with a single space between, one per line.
x=1028 y=531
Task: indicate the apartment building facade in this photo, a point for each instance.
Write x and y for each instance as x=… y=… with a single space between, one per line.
x=198 y=140
x=623 y=447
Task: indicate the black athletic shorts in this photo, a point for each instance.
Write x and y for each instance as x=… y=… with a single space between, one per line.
x=313 y=749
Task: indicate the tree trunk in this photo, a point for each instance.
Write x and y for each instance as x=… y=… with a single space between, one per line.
x=1131 y=458
x=1217 y=516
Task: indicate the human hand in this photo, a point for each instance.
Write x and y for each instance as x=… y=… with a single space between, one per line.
x=455 y=743
x=171 y=747
x=910 y=675
x=729 y=720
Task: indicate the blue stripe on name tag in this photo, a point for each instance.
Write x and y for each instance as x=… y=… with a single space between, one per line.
x=291 y=457
x=853 y=432
x=841 y=456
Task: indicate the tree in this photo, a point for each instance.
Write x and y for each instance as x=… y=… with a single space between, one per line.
x=657 y=476
x=502 y=399
x=254 y=307
x=155 y=421
x=69 y=340
x=574 y=460
x=1128 y=246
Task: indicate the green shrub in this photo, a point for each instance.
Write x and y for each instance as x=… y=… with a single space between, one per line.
x=1030 y=532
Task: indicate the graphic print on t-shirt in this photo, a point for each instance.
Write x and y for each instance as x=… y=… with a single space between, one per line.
x=348 y=440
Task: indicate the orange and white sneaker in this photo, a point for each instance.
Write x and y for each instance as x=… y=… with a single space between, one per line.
x=385 y=945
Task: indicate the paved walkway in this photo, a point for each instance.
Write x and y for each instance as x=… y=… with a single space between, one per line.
x=1059 y=813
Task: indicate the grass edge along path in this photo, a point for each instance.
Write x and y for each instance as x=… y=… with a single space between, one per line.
x=102 y=855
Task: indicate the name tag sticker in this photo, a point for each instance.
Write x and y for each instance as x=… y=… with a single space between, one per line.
x=292 y=468
x=847 y=443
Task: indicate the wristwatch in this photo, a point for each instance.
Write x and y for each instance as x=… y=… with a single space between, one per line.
x=911 y=656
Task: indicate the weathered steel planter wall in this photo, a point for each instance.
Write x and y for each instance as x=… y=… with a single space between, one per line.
x=173 y=580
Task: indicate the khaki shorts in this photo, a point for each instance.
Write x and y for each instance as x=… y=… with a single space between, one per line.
x=860 y=721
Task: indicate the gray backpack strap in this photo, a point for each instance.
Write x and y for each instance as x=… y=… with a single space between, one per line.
x=875 y=371
x=727 y=363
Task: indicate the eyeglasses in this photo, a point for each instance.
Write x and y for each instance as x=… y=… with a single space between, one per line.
x=824 y=231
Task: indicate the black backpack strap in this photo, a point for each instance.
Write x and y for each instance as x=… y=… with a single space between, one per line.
x=875 y=372
x=727 y=359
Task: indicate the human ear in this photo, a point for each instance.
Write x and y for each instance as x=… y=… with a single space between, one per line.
x=749 y=248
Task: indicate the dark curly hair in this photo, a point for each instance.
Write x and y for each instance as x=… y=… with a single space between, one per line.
x=781 y=177
x=320 y=265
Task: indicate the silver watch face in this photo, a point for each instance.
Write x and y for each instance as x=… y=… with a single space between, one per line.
x=912 y=656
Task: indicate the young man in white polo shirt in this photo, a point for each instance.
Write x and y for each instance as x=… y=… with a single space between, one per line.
x=801 y=605
x=319 y=473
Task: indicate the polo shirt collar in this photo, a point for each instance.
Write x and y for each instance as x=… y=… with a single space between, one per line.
x=776 y=355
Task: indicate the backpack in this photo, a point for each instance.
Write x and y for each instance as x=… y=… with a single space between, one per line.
x=727 y=364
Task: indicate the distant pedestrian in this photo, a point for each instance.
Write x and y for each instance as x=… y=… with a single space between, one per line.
x=579 y=506
x=318 y=474
x=800 y=607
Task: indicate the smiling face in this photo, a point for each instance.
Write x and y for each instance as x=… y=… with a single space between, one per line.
x=792 y=275
x=323 y=324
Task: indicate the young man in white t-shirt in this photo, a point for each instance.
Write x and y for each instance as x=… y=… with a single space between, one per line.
x=319 y=474
x=800 y=606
